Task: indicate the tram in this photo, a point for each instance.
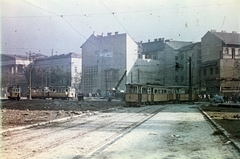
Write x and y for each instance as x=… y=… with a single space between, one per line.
x=138 y=94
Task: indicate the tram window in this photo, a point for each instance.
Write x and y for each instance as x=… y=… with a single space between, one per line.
x=66 y=90
x=133 y=90
x=149 y=90
x=144 y=90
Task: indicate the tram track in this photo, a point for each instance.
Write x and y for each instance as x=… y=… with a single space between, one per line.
x=101 y=146
x=107 y=122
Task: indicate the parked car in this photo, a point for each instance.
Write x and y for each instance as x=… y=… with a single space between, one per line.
x=217 y=99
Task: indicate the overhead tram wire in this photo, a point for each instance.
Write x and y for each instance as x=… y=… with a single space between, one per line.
x=62 y=16
x=122 y=12
x=116 y=18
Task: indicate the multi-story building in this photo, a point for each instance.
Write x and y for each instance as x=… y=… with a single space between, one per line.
x=192 y=51
x=153 y=49
x=220 y=68
x=105 y=60
x=170 y=57
x=58 y=70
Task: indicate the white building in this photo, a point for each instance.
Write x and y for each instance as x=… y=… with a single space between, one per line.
x=105 y=60
x=12 y=71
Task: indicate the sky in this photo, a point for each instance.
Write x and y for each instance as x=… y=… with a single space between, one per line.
x=62 y=26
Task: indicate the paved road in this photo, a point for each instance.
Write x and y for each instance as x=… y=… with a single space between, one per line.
x=167 y=131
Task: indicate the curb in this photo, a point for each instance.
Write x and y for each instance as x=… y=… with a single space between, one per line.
x=219 y=127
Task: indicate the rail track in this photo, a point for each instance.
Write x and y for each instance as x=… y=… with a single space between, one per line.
x=37 y=141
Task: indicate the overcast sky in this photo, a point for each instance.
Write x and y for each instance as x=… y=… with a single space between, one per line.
x=64 y=25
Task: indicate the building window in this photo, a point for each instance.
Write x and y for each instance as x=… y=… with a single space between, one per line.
x=211 y=71
x=226 y=51
x=204 y=72
x=176 y=78
x=182 y=78
x=216 y=70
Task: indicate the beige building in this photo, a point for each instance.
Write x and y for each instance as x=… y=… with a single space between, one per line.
x=105 y=60
x=58 y=70
x=220 y=67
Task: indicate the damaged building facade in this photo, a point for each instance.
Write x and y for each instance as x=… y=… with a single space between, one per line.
x=220 y=67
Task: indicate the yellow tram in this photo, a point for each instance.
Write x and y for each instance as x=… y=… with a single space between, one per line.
x=14 y=92
x=56 y=92
x=138 y=94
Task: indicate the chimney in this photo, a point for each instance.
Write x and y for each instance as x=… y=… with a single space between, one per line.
x=213 y=30
x=149 y=40
x=155 y=40
x=94 y=33
x=116 y=33
x=109 y=34
x=234 y=32
x=223 y=31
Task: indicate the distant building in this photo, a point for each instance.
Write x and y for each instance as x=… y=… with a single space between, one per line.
x=104 y=61
x=220 y=67
x=12 y=71
x=145 y=71
x=169 y=58
x=192 y=50
x=58 y=70
x=152 y=49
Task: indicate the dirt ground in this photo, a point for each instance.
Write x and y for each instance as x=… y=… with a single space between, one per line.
x=25 y=112
x=227 y=117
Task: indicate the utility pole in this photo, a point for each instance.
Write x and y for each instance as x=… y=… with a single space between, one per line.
x=30 y=73
x=190 y=79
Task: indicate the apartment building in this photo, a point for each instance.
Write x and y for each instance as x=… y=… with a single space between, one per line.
x=220 y=67
x=182 y=73
x=105 y=60
x=171 y=56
